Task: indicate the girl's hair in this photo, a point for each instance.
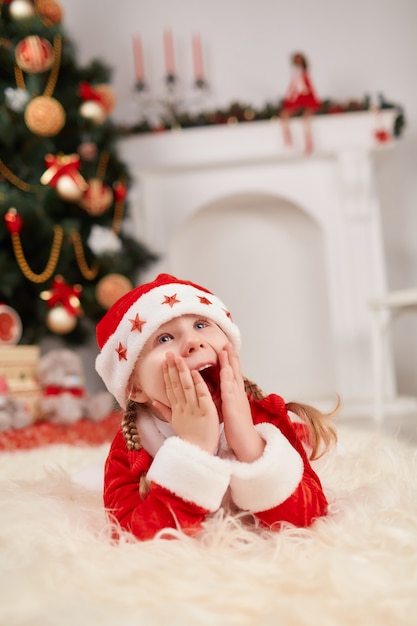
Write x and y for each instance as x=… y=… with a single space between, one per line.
x=320 y=426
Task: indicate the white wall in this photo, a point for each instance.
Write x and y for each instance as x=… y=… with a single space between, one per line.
x=355 y=48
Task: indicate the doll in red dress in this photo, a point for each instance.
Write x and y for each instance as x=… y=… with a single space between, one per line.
x=196 y=435
x=300 y=98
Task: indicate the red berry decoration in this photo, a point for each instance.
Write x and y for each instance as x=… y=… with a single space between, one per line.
x=13 y=221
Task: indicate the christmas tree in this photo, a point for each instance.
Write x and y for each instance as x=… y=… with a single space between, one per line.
x=65 y=253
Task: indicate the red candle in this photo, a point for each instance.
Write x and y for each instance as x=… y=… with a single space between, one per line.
x=169 y=53
x=198 y=58
x=138 y=59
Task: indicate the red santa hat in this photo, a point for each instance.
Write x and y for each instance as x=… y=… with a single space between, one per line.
x=128 y=324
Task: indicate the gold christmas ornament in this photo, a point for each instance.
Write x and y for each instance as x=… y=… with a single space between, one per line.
x=106 y=93
x=93 y=111
x=34 y=54
x=60 y=321
x=49 y=11
x=21 y=10
x=98 y=198
x=110 y=288
x=68 y=189
x=45 y=116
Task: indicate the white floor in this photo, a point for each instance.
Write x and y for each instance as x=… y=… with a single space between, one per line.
x=400 y=423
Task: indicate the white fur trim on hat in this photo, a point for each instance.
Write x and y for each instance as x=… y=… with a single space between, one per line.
x=162 y=303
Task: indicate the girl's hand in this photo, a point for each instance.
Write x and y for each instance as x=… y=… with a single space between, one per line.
x=192 y=412
x=239 y=430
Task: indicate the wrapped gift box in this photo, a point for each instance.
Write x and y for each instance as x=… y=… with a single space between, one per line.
x=19 y=366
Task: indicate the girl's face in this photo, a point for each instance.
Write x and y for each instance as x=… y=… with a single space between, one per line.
x=197 y=340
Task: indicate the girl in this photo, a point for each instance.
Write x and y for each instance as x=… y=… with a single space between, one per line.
x=196 y=435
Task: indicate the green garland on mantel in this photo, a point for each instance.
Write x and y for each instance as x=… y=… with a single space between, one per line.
x=238 y=113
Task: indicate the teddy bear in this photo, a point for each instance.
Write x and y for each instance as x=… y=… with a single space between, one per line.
x=64 y=399
x=14 y=413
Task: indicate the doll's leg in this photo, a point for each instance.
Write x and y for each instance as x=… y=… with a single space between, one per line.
x=286 y=131
x=308 y=137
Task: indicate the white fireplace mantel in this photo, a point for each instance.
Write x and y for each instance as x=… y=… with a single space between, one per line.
x=182 y=174
x=251 y=141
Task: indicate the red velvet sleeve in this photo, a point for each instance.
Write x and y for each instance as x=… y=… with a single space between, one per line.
x=158 y=510
x=306 y=504
x=308 y=501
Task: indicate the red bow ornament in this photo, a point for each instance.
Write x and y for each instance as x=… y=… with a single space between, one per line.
x=102 y=94
x=63 y=165
x=66 y=295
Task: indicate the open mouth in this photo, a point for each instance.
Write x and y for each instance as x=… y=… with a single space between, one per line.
x=210 y=375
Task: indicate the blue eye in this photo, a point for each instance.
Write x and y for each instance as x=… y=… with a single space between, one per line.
x=164 y=338
x=200 y=324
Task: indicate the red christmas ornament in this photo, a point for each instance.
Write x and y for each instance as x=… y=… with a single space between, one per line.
x=10 y=326
x=66 y=295
x=34 y=54
x=13 y=221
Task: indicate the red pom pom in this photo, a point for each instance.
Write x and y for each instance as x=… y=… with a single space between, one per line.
x=13 y=221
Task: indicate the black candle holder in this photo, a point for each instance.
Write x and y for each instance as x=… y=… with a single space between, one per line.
x=168 y=110
x=200 y=83
x=170 y=80
x=140 y=86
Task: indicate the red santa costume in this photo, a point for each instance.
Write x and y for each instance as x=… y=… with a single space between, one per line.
x=187 y=484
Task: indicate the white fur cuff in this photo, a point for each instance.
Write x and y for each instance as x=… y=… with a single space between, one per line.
x=270 y=480
x=191 y=473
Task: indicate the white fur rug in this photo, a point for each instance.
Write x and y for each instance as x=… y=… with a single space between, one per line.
x=358 y=566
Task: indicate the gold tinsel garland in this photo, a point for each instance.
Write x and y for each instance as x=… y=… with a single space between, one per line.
x=52 y=261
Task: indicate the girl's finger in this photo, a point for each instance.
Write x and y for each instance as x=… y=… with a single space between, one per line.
x=234 y=362
x=172 y=381
x=201 y=390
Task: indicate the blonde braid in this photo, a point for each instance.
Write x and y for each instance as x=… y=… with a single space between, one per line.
x=132 y=438
x=129 y=429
